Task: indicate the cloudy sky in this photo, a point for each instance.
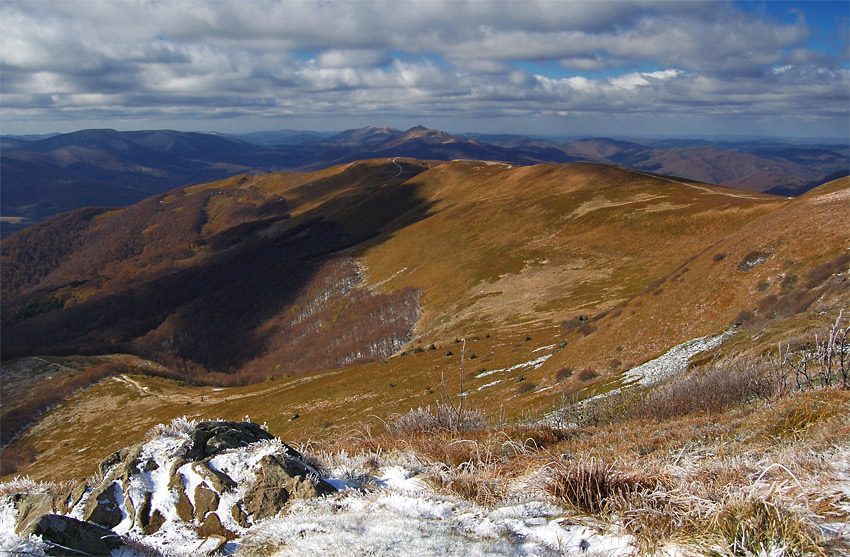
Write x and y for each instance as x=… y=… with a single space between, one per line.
x=669 y=68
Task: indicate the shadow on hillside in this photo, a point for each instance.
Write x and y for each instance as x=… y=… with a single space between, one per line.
x=212 y=310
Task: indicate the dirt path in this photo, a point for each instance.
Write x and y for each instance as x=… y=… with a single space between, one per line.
x=690 y=185
x=400 y=169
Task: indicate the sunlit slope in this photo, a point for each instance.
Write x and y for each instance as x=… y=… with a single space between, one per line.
x=772 y=280
x=650 y=261
x=513 y=247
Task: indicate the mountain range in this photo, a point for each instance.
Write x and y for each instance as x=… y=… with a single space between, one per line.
x=47 y=175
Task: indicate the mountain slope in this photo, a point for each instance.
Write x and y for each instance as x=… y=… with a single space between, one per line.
x=186 y=278
x=349 y=290
x=191 y=274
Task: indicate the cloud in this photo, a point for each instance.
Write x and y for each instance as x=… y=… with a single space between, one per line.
x=269 y=58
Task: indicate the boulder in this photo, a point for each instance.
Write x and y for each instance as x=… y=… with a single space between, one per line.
x=120 y=465
x=219 y=481
x=212 y=527
x=239 y=516
x=150 y=521
x=211 y=438
x=279 y=481
x=206 y=500
x=70 y=536
x=184 y=508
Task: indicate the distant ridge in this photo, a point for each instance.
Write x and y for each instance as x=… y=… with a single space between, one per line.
x=46 y=175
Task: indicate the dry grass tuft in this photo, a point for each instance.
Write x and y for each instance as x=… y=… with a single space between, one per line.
x=751 y=525
x=592 y=486
x=444 y=417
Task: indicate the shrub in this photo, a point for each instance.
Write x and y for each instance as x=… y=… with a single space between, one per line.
x=719 y=256
x=588 y=375
x=444 y=417
x=525 y=387
x=563 y=374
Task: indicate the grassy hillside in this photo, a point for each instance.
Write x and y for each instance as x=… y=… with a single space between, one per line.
x=560 y=278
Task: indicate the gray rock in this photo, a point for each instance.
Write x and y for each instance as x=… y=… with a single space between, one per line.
x=211 y=438
x=70 y=536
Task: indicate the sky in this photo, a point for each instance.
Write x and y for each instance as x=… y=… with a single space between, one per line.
x=648 y=68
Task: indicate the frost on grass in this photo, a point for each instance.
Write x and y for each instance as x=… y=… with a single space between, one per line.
x=10 y=542
x=391 y=523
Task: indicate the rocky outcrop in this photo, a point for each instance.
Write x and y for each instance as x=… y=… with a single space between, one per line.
x=216 y=478
x=32 y=506
x=211 y=438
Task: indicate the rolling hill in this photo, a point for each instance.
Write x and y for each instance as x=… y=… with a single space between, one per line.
x=46 y=175
x=264 y=277
x=566 y=322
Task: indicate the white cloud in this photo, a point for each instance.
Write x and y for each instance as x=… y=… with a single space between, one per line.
x=357 y=58
x=268 y=57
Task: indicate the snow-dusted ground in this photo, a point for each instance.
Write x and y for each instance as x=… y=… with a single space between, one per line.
x=384 y=506
x=389 y=522
x=671 y=363
x=533 y=364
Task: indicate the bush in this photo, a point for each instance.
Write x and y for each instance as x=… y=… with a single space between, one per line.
x=525 y=387
x=563 y=374
x=587 y=375
x=444 y=417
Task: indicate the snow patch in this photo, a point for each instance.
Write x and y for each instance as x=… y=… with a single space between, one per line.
x=534 y=364
x=496 y=382
x=673 y=362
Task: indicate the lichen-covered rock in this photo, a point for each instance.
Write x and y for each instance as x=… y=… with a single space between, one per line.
x=32 y=506
x=212 y=527
x=219 y=481
x=206 y=500
x=121 y=464
x=184 y=508
x=239 y=516
x=187 y=473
